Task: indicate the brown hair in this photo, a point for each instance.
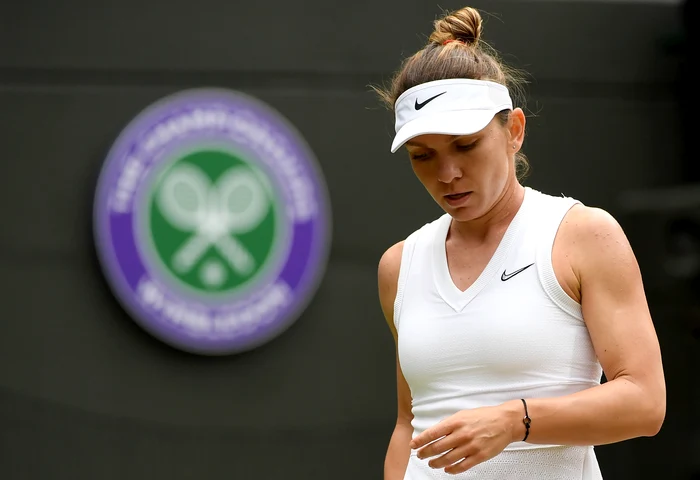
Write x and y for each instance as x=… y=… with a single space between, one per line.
x=455 y=50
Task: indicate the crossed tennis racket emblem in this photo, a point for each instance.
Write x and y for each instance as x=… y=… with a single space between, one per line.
x=215 y=212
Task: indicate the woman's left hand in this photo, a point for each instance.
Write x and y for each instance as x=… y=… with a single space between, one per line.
x=467 y=438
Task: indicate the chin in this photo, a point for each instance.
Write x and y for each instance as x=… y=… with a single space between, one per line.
x=461 y=214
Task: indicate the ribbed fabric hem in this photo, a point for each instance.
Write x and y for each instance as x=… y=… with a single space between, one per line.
x=546 y=270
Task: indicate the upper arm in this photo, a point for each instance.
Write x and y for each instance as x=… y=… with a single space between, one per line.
x=388 y=277
x=612 y=298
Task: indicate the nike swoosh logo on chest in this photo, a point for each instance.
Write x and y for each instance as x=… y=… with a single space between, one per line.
x=507 y=276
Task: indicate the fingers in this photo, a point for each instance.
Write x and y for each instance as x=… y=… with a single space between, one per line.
x=455 y=455
x=431 y=434
x=452 y=457
x=469 y=462
x=439 y=447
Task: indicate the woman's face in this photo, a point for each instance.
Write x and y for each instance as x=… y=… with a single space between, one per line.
x=467 y=175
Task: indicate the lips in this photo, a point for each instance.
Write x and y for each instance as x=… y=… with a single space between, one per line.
x=457 y=199
x=456 y=196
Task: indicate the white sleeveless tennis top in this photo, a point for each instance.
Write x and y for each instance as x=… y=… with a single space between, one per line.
x=513 y=334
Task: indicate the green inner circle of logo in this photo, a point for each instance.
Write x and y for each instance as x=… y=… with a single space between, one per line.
x=212 y=221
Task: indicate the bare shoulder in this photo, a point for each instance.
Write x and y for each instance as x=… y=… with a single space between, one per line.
x=390 y=262
x=593 y=234
x=591 y=243
x=388 y=277
x=582 y=219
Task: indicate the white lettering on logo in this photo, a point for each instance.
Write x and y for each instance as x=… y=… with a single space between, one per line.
x=243 y=126
x=126 y=185
x=257 y=313
x=174 y=311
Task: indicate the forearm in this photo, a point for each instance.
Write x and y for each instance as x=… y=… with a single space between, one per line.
x=614 y=411
x=398 y=452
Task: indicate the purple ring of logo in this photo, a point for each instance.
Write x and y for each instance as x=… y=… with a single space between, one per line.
x=195 y=326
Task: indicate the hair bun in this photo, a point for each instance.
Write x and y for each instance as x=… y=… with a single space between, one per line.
x=464 y=25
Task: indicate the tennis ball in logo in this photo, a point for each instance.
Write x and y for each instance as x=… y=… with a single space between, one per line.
x=213 y=221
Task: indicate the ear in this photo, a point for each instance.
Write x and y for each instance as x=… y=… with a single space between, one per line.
x=516 y=128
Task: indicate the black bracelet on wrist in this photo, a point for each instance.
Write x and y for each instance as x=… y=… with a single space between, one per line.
x=526 y=420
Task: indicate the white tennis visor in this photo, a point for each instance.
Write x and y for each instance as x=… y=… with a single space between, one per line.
x=449 y=107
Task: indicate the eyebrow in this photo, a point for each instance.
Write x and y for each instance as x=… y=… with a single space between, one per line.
x=418 y=144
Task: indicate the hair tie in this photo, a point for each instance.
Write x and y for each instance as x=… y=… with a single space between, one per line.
x=452 y=40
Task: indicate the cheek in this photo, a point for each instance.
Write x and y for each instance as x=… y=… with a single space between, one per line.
x=488 y=160
x=499 y=166
x=422 y=171
x=492 y=170
x=487 y=164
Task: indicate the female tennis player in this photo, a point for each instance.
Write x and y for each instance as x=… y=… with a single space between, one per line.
x=508 y=308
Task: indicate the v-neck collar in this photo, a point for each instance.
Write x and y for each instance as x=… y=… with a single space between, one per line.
x=453 y=296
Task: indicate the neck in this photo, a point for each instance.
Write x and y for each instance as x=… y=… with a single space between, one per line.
x=496 y=219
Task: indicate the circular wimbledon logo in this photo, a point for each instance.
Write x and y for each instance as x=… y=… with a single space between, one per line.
x=212 y=221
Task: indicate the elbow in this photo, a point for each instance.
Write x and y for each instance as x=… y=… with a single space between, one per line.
x=656 y=421
x=404 y=420
x=649 y=413
x=654 y=416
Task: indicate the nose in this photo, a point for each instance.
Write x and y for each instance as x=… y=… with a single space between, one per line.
x=448 y=170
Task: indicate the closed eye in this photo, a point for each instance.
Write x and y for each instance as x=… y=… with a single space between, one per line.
x=463 y=148
x=419 y=156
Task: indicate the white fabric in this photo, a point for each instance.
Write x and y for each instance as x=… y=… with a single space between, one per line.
x=454 y=107
x=555 y=463
x=497 y=341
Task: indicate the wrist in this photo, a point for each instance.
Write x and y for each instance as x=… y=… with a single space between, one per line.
x=514 y=413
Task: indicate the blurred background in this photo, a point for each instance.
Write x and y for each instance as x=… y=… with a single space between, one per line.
x=87 y=394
